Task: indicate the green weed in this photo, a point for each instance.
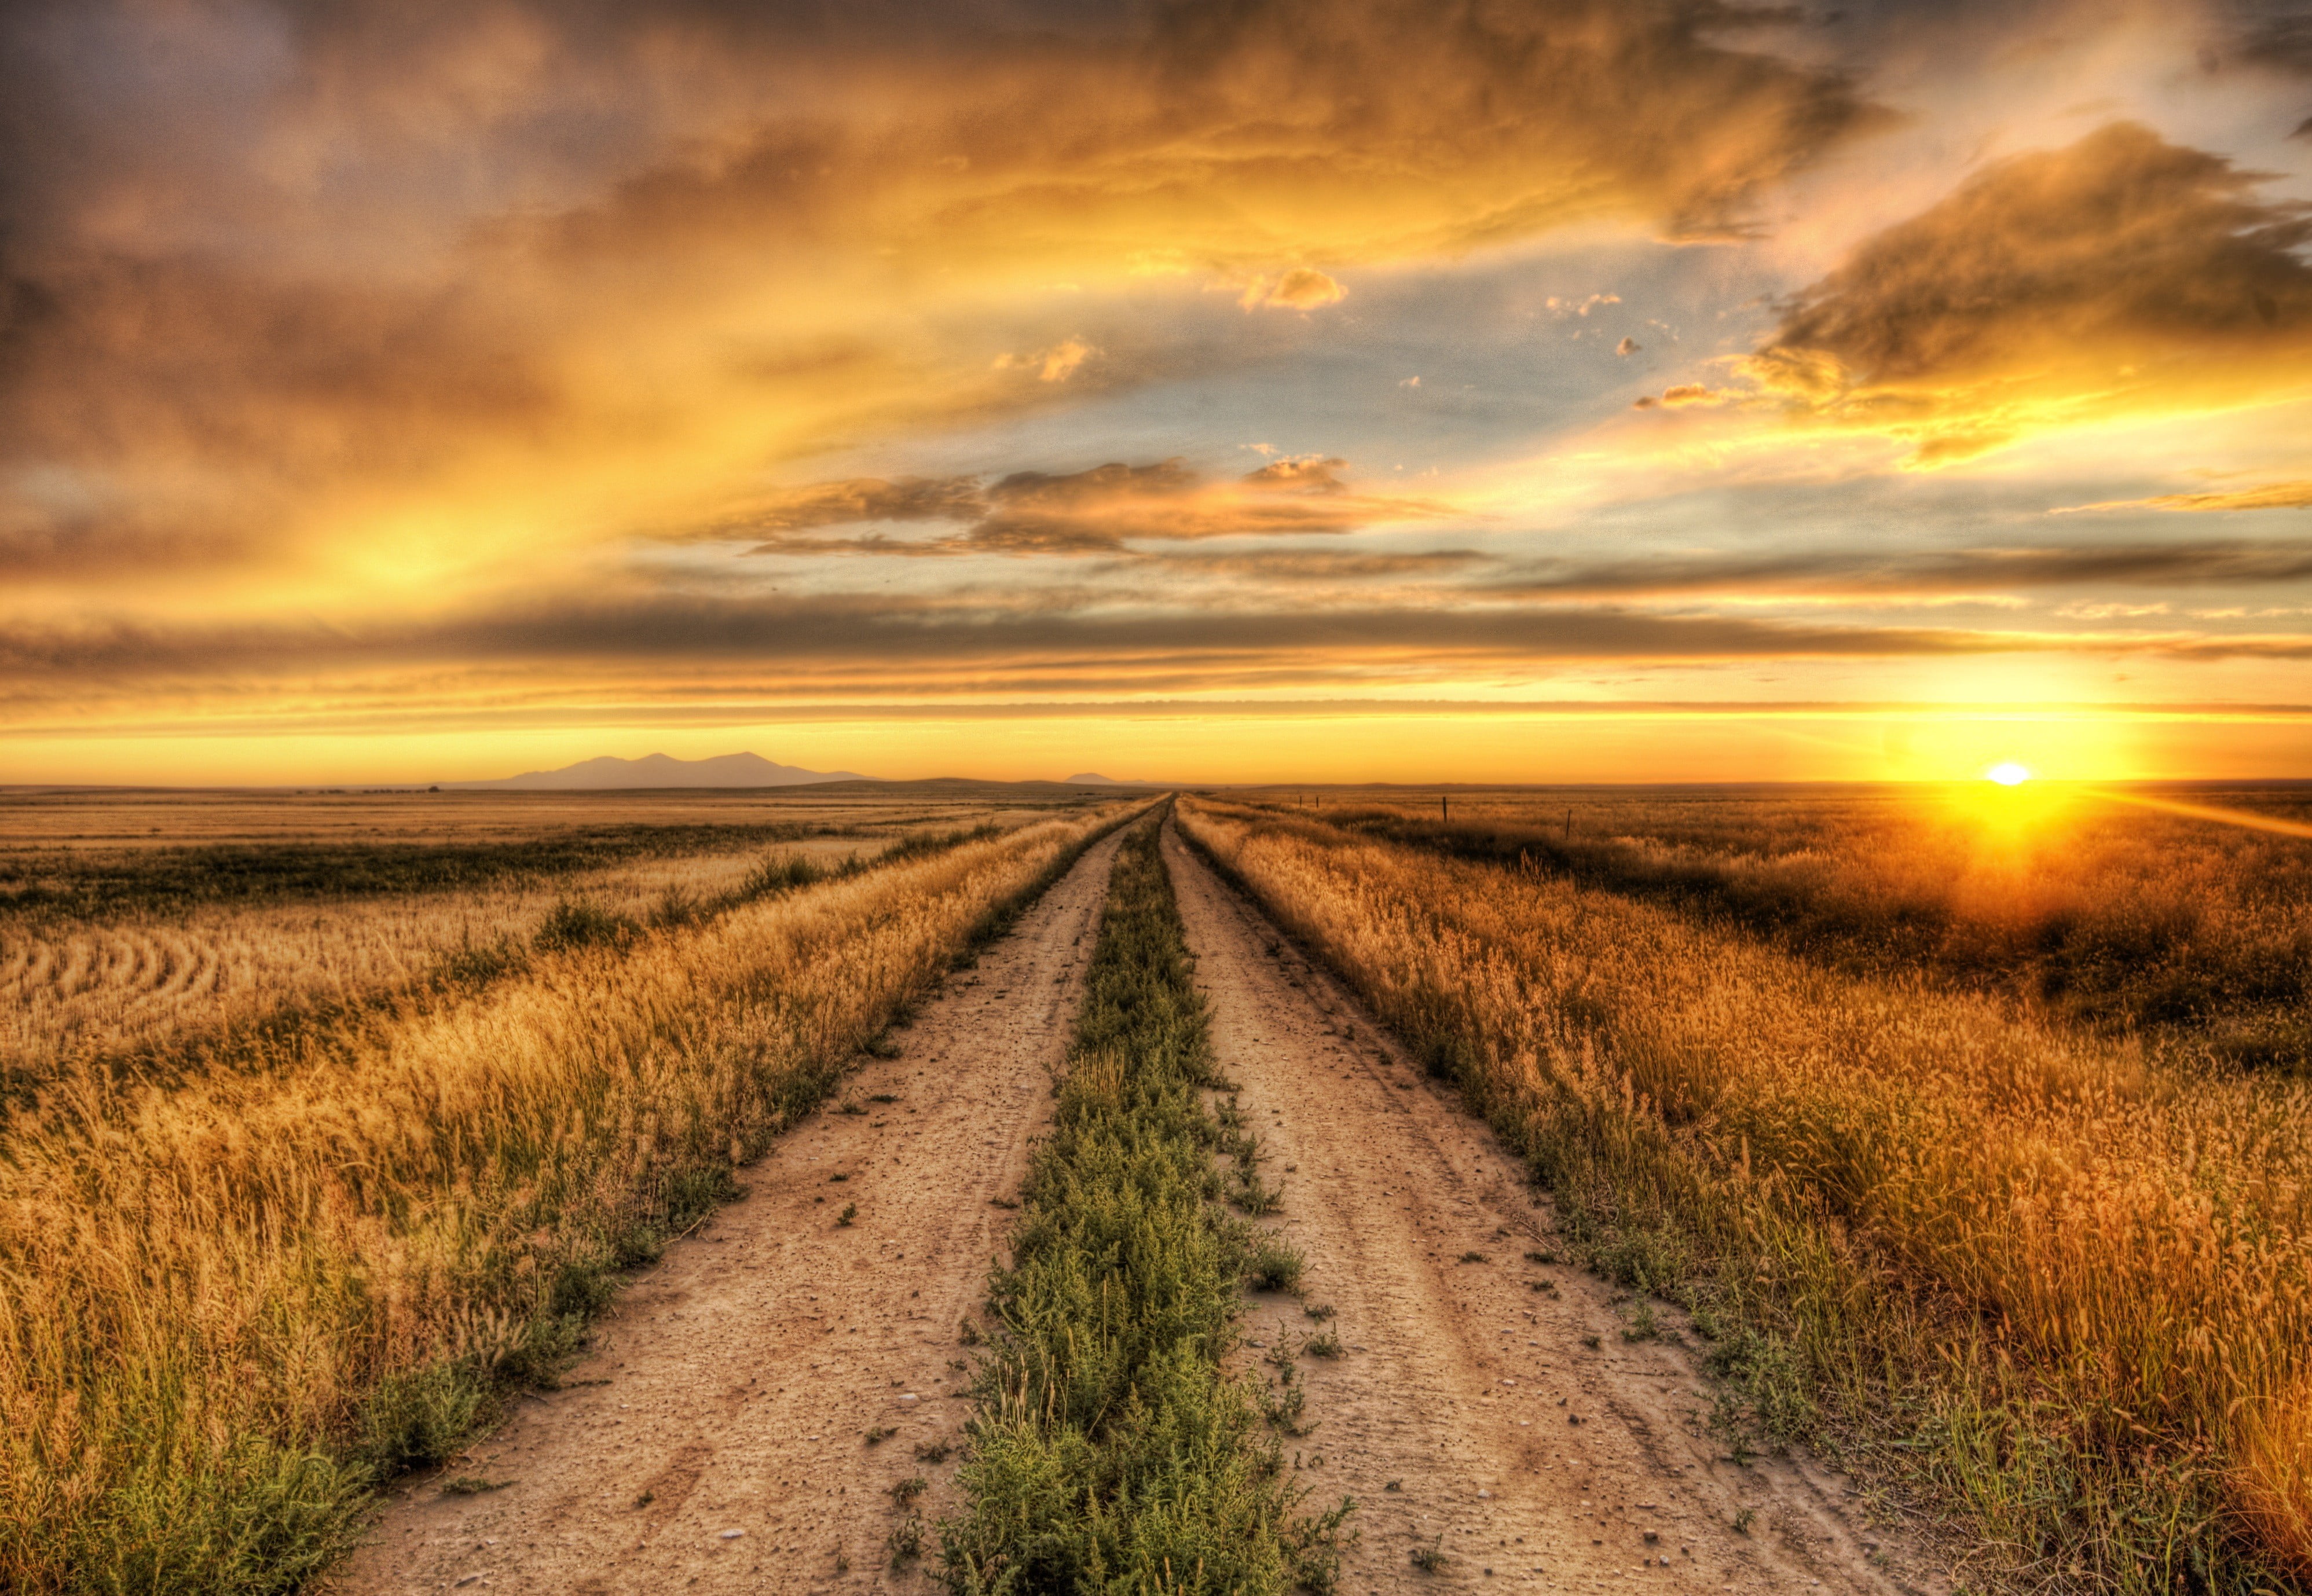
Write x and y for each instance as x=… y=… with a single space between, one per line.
x=1112 y=1451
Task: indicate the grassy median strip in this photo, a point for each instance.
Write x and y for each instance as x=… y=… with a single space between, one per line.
x=1114 y=1450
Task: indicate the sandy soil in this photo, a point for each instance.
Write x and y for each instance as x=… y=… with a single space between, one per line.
x=1515 y=1430
x=715 y=1436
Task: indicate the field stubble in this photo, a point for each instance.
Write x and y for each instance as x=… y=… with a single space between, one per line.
x=257 y=920
x=2068 y=1290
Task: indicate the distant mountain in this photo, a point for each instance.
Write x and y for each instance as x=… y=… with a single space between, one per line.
x=1094 y=779
x=660 y=770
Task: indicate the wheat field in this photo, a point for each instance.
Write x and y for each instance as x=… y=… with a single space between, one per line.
x=237 y=914
x=2051 y=1284
x=102 y=985
x=231 y=1300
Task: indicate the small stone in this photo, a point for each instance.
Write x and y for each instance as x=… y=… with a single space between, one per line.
x=731 y=1534
x=909 y=1398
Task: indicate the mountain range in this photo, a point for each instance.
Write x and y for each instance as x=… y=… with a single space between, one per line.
x=661 y=770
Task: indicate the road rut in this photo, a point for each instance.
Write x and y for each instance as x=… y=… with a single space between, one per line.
x=714 y=1436
x=1514 y=1430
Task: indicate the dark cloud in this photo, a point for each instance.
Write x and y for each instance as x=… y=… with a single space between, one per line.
x=1324 y=565
x=1864 y=575
x=2122 y=246
x=867 y=499
x=864 y=648
x=2279 y=39
x=1092 y=511
x=2121 y=276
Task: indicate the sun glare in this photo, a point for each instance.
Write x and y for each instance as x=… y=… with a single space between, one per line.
x=2009 y=774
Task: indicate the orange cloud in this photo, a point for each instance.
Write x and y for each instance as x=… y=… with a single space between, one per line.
x=449 y=283
x=1299 y=289
x=2278 y=495
x=2122 y=275
x=1097 y=511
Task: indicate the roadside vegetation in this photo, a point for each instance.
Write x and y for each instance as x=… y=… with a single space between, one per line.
x=233 y=1301
x=1114 y=1450
x=2058 y=1287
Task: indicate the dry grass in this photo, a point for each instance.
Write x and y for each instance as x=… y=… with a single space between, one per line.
x=2065 y=1289
x=2090 y=908
x=134 y=925
x=83 y=987
x=228 y=1304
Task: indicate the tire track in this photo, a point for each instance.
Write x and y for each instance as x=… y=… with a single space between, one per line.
x=1505 y=1424
x=714 y=1438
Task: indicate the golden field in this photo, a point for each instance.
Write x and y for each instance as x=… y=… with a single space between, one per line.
x=2045 y=1270
x=234 y=1295
x=100 y=985
x=145 y=924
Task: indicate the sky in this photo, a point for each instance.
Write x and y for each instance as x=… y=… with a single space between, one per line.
x=1214 y=390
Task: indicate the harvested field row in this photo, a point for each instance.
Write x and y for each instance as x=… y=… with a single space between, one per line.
x=69 y=990
x=150 y=995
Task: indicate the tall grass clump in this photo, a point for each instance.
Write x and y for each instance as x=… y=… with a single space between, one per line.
x=232 y=1303
x=1112 y=1450
x=2065 y=1291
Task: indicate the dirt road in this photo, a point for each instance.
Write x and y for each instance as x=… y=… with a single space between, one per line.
x=1514 y=1430
x=716 y=1436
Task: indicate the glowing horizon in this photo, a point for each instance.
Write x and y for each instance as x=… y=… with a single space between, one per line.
x=1256 y=391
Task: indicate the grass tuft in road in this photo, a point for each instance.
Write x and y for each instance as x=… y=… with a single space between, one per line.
x=1113 y=1450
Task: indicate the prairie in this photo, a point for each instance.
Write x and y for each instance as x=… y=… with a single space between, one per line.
x=243 y=916
x=2086 y=905
x=2054 y=1281
x=235 y=1295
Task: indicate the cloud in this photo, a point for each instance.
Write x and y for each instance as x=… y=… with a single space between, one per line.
x=286 y=284
x=1299 y=289
x=1097 y=511
x=1863 y=575
x=863 y=499
x=1055 y=364
x=1682 y=394
x=1326 y=565
x=2278 y=495
x=623 y=652
x=2120 y=276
